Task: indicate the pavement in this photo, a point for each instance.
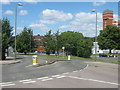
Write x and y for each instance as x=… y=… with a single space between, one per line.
x=9 y=60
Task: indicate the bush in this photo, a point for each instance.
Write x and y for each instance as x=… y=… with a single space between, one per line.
x=84 y=48
x=84 y=52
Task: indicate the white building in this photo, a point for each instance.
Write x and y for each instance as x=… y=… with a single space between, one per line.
x=96 y=46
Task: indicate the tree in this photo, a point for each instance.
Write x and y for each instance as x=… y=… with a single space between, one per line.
x=109 y=38
x=49 y=42
x=6 y=36
x=69 y=41
x=57 y=41
x=25 y=41
x=84 y=47
x=37 y=42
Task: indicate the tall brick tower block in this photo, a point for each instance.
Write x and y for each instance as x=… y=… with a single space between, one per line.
x=107 y=18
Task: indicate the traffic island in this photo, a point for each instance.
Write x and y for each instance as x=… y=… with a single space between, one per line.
x=39 y=63
x=44 y=64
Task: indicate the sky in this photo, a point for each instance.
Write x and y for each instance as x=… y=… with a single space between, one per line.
x=63 y=16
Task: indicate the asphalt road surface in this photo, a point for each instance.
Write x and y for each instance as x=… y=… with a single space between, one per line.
x=24 y=70
x=63 y=74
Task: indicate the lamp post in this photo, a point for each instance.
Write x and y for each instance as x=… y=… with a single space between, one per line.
x=95 y=32
x=19 y=4
x=30 y=32
x=30 y=41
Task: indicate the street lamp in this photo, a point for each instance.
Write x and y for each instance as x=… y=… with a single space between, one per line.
x=19 y=4
x=30 y=33
x=95 y=32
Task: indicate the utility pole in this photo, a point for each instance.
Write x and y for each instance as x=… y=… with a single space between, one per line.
x=95 y=33
x=19 y=4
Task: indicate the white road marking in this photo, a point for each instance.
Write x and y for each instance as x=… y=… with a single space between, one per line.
x=47 y=79
x=94 y=80
x=75 y=71
x=55 y=75
x=85 y=67
x=66 y=73
x=61 y=77
x=6 y=84
x=80 y=69
x=42 y=78
x=27 y=80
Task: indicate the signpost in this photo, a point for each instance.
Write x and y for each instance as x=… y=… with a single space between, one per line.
x=63 y=51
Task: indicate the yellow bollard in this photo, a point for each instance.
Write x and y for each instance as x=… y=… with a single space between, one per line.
x=35 y=60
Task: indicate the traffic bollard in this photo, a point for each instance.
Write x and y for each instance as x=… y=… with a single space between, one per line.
x=35 y=59
x=68 y=57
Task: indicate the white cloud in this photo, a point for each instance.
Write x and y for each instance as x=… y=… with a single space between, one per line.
x=86 y=18
x=47 y=22
x=86 y=28
x=65 y=26
x=5 y=1
x=9 y=1
x=20 y=28
x=84 y=23
x=56 y=16
x=9 y=12
x=99 y=3
x=23 y=12
x=31 y=1
x=41 y=26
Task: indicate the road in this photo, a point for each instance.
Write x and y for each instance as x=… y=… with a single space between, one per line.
x=63 y=74
x=24 y=70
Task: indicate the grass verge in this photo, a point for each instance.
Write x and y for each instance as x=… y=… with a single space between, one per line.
x=78 y=58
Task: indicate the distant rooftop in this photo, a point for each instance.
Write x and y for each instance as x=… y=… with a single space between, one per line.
x=108 y=11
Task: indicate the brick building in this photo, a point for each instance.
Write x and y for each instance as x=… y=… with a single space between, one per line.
x=115 y=22
x=39 y=44
x=108 y=19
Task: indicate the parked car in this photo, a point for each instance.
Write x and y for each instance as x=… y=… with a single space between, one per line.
x=102 y=55
x=112 y=55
